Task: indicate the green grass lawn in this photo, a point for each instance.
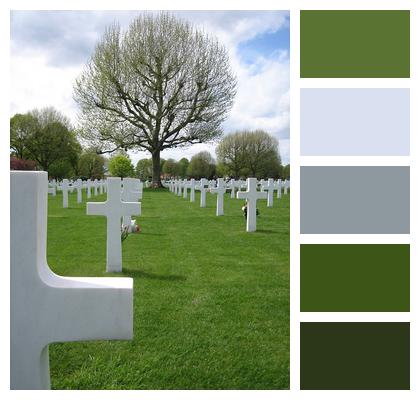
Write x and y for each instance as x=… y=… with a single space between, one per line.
x=211 y=302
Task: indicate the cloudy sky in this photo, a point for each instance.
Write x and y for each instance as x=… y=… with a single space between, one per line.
x=50 y=48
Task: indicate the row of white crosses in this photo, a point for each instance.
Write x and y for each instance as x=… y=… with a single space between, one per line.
x=45 y=307
x=251 y=195
x=99 y=187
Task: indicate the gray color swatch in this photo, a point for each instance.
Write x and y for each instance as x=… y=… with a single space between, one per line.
x=351 y=122
x=354 y=200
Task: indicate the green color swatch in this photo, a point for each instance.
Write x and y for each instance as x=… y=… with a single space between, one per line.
x=355 y=277
x=355 y=44
x=355 y=355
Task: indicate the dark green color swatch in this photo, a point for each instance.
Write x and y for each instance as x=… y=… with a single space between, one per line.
x=355 y=355
x=355 y=277
x=355 y=44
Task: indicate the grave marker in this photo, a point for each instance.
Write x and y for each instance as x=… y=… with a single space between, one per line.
x=278 y=187
x=88 y=188
x=114 y=209
x=180 y=183
x=65 y=190
x=45 y=307
x=251 y=196
x=269 y=186
x=185 y=187
x=78 y=185
x=220 y=190
x=130 y=193
x=203 y=191
x=191 y=185
x=95 y=187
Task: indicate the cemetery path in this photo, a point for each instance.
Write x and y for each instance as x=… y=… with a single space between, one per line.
x=211 y=302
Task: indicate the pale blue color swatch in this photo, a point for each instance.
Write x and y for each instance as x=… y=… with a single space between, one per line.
x=355 y=122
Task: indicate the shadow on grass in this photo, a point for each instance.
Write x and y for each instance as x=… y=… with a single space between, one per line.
x=265 y=231
x=136 y=273
x=152 y=234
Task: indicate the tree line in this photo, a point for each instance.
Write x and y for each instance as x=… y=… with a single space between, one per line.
x=45 y=139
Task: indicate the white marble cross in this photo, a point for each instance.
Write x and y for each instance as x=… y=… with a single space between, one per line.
x=286 y=186
x=53 y=184
x=113 y=208
x=220 y=190
x=191 y=185
x=65 y=190
x=203 y=191
x=185 y=187
x=251 y=196
x=52 y=190
x=45 y=307
x=269 y=186
x=278 y=187
x=180 y=185
x=88 y=187
x=130 y=193
x=78 y=185
x=232 y=186
x=95 y=187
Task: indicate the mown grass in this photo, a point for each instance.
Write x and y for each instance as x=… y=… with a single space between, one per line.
x=211 y=302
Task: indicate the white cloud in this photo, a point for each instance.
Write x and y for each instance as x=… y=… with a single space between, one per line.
x=35 y=84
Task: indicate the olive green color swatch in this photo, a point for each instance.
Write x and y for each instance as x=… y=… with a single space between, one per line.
x=354 y=277
x=355 y=44
x=354 y=355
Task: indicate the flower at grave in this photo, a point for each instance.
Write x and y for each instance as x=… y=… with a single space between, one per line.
x=135 y=227
x=245 y=210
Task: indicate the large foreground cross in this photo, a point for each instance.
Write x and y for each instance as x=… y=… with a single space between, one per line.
x=45 y=307
x=114 y=209
x=251 y=196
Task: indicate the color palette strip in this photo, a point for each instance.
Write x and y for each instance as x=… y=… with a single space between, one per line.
x=355 y=277
x=355 y=355
x=355 y=199
x=355 y=122
x=355 y=44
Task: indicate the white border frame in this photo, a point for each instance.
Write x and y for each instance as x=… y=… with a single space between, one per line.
x=295 y=84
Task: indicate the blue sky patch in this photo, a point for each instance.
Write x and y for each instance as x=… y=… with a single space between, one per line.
x=267 y=45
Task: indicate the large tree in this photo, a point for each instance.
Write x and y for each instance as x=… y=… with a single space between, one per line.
x=202 y=165
x=144 y=169
x=170 y=167
x=161 y=84
x=91 y=165
x=249 y=153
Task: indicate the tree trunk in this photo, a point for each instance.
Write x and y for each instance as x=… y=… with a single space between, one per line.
x=156 y=169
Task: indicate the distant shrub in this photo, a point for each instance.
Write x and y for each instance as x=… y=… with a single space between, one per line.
x=22 y=165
